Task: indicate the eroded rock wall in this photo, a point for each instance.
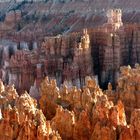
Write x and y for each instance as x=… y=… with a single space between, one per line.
x=69 y=58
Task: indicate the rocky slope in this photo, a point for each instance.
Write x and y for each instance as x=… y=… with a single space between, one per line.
x=92 y=12
x=62 y=17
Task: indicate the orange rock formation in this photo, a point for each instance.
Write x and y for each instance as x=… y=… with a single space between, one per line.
x=20 y=119
x=72 y=113
x=91 y=113
x=73 y=106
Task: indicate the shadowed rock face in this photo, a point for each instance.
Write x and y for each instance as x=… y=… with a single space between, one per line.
x=107 y=44
x=97 y=52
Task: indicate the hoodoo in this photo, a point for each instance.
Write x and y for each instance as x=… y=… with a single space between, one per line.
x=69 y=70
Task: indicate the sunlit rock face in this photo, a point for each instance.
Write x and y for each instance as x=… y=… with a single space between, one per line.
x=91 y=113
x=128 y=87
x=115 y=18
x=20 y=119
x=73 y=113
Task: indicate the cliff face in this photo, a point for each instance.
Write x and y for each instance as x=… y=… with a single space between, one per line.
x=97 y=52
x=66 y=58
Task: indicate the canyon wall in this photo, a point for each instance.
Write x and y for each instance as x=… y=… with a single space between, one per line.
x=97 y=52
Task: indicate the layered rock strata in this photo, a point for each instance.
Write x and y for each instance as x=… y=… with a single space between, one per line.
x=97 y=52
